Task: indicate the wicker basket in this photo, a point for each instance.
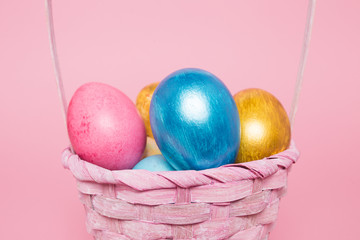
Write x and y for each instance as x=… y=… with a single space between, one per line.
x=237 y=201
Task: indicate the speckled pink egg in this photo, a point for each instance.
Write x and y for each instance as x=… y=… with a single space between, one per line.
x=105 y=128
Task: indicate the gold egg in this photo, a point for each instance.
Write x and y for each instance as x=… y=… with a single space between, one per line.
x=265 y=127
x=151 y=148
x=143 y=105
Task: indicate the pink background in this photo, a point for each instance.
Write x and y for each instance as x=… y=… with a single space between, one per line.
x=129 y=44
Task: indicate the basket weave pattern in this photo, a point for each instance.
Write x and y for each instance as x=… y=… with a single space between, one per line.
x=237 y=201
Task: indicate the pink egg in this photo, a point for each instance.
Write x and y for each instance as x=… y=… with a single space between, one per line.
x=105 y=128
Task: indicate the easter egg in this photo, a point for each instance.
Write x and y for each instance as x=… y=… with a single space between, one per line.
x=105 y=128
x=265 y=126
x=151 y=148
x=154 y=163
x=143 y=105
x=194 y=120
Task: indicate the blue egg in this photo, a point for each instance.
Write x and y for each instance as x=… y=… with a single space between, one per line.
x=154 y=163
x=195 y=121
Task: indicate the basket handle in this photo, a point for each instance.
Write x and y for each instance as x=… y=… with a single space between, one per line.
x=303 y=58
x=299 y=79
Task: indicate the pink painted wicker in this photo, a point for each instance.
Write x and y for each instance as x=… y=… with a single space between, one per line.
x=237 y=201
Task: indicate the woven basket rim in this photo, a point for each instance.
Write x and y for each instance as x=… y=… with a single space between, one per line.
x=145 y=180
